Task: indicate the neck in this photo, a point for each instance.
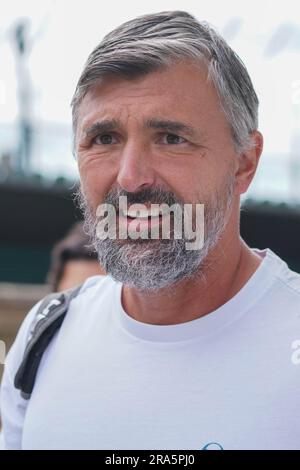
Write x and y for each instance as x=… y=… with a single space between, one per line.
x=224 y=273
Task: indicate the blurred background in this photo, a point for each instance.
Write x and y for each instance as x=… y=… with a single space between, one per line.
x=43 y=47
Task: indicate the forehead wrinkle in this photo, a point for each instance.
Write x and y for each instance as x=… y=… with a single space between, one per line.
x=98 y=125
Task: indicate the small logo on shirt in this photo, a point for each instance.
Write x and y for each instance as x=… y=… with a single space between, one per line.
x=295 y=357
x=212 y=446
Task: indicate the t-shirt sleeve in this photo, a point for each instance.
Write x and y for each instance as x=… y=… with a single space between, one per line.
x=12 y=405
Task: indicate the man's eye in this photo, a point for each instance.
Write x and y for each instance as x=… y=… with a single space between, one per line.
x=173 y=139
x=104 y=139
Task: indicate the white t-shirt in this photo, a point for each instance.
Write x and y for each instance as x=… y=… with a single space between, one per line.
x=108 y=381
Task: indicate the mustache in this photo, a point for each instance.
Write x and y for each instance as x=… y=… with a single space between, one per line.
x=152 y=195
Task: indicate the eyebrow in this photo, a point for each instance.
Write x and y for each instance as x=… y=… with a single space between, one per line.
x=153 y=123
x=101 y=126
x=169 y=125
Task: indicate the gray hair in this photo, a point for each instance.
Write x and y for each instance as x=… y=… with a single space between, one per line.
x=151 y=42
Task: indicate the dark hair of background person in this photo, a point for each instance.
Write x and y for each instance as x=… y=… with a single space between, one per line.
x=75 y=246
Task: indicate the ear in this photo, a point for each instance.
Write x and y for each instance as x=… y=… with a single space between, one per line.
x=247 y=164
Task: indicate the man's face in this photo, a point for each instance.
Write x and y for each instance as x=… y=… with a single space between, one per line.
x=163 y=132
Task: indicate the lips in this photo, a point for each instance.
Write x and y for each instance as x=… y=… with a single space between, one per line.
x=142 y=212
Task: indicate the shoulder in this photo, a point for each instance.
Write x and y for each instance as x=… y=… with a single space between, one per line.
x=16 y=352
x=281 y=304
x=15 y=355
x=93 y=283
x=287 y=280
x=278 y=272
x=12 y=405
x=95 y=288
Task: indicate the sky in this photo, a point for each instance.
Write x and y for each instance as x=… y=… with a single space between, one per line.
x=64 y=32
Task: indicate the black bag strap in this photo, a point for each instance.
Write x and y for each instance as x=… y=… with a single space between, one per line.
x=48 y=320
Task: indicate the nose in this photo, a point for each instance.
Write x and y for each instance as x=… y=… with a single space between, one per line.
x=135 y=171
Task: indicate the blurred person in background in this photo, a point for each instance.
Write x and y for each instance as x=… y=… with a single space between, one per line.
x=73 y=260
x=175 y=348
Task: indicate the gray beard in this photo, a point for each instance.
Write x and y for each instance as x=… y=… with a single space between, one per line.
x=150 y=265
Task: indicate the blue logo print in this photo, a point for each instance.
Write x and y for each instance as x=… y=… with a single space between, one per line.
x=212 y=446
